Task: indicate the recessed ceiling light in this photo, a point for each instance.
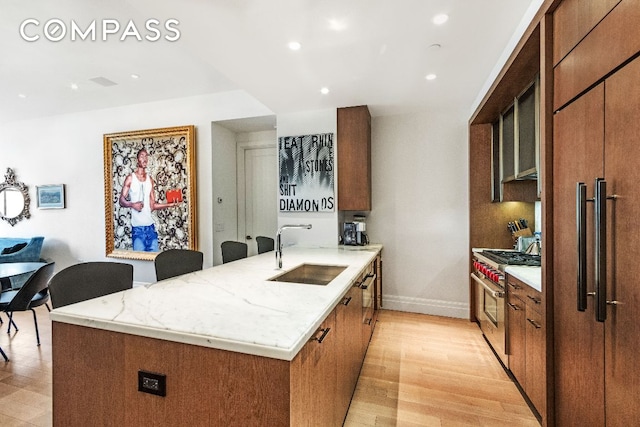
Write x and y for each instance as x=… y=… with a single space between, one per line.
x=295 y=45
x=135 y=76
x=324 y=90
x=74 y=86
x=22 y=95
x=440 y=19
x=430 y=77
x=337 y=24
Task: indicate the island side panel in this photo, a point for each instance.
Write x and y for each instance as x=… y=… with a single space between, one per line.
x=88 y=378
x=204 y=386
x=189 y=371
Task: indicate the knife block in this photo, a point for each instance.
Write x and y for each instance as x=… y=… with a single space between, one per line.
x=525 y=232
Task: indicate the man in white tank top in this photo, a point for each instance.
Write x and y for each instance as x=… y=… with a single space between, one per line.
x=137 y=194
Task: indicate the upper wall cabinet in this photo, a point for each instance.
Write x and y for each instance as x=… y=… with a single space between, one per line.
x=520 y=136
x=354 y=159
x=573 y=20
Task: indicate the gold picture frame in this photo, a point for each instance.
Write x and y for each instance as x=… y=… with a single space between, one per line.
x=149 y=189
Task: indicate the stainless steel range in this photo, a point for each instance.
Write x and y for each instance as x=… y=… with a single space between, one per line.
x=488 y=273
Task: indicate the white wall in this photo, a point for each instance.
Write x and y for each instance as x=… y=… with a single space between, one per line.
x=67 y=149
x=225 y=212
x=325 y=228
x=420 y=211
x=225 y=182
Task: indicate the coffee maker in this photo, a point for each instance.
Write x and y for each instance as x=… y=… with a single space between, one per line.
x=349 y=231
x=354 y=233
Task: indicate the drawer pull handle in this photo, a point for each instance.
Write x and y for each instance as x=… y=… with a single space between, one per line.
x=534 y=299
x=370 y=278
x=534 y=323
x=346 y=301
x=325 y=331
x=513 y=306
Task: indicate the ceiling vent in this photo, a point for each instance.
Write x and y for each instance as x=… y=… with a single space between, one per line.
x=103 y=81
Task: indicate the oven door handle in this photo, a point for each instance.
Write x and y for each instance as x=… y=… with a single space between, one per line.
x=494 y=293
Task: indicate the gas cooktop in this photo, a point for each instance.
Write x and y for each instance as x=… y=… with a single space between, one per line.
x=512 y=258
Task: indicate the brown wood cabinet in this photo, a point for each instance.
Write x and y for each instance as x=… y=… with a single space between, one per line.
x=535 y=383
x=378 y=289
x=367 y=284
x=586 y=52
x=595 y=136
x=573 y=20
x=349 y=339
x=207 y=386
x=526 y=340
x=315 y=380
x=354 y=159
x=606 y=46
x=516 y=331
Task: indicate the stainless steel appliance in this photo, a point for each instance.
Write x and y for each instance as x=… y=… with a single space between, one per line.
x=488 y=274
x=490 y=303
x=354 y=233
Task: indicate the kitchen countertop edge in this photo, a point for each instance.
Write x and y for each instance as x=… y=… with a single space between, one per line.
x=84 y=314
x=532 y=276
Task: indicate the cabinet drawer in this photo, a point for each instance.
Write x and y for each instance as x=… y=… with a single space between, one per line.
x=515 y=287
x=534 y=300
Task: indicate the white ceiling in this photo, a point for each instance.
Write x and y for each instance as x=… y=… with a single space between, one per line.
x=380 y=57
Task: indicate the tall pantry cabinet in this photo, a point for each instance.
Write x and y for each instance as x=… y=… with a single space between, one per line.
x=596 y=132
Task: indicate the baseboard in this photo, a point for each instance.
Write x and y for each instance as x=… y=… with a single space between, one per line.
x=426 y=306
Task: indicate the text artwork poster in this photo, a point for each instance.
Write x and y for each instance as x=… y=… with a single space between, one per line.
x=306 y=173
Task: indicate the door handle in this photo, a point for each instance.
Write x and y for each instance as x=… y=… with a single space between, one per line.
x=581 y=221
x=600 y=251
x=600 y=222
x=248 y=237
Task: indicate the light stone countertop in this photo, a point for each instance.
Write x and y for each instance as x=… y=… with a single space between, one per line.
x=231 y=306
x=532 y=276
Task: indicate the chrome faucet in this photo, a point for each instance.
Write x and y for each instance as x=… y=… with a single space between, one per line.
x=279 y=240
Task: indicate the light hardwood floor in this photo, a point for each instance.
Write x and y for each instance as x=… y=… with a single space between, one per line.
x=432 y=371
x=25 y=381
x=419 y=371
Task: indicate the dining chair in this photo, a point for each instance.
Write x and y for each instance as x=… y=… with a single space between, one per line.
x=232 y=251
x=32 y=294
x=88 y=280
x=265 y=244
x=175 y=262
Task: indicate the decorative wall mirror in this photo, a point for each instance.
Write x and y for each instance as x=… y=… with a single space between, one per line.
x=14 y=199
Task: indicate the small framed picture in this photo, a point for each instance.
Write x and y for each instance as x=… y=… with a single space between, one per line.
x=50 y=196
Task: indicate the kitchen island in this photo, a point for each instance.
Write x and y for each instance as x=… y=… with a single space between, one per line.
x=225 y=346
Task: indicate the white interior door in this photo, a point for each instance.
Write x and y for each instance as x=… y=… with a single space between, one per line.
x=257 y=210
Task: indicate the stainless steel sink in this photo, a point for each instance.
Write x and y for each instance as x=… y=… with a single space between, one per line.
x=310 y=274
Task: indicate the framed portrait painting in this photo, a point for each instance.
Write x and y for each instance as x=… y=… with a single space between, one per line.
x=149 y=192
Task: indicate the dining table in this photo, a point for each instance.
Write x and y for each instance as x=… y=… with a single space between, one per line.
x=11 y=269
